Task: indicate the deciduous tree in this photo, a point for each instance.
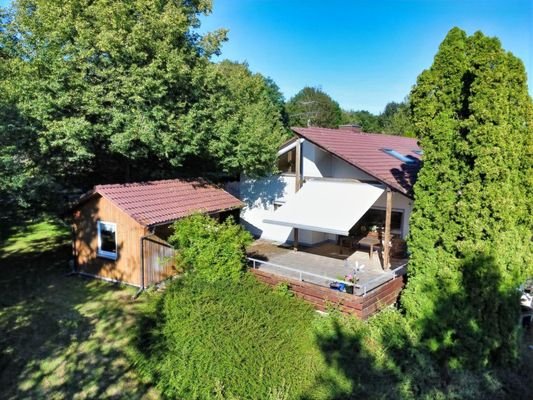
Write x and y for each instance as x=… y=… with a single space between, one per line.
x=312 y=106
x=113 y=91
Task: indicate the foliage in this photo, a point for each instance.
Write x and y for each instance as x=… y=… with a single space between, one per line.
x=69 y=337
x=313 y=107
x=245 y=119
x=383 y=358
x=470 y=231
x=277 y=98
x=94 y=91
x=214 y=251
x=365 y=119
x=228 y=339
x=283 y=289
x=394 y=120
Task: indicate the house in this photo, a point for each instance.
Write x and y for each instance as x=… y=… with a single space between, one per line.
x=331 y=181
x=343 y=198
x=334 y=183
x=119 y=231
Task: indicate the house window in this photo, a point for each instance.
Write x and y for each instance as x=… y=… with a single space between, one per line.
x=376 y=217
x=107 y=240
x=400 y=156
x=287 y=162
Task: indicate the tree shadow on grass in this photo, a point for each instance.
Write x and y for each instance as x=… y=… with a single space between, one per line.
x=62 y=337
x=382 y=359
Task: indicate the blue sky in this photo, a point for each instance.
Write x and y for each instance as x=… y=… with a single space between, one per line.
x=363 y=53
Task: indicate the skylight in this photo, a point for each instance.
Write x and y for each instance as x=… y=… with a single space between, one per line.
x=399 y=156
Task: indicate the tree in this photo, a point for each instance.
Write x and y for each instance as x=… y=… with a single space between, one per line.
x=396 y=119
x=244 y=122
x=20 y=178
x=277 y=98
x=311 y=106
x=115 y=91
x=470 y=232
x=365 y=119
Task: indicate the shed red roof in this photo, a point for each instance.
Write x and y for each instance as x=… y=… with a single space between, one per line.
x=365 y=151
x=158 y=202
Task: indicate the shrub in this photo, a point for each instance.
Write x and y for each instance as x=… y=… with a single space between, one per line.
x=213 y=250
x=229 y=339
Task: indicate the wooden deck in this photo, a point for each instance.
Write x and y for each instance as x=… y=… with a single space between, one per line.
x=323 y=264
x=310 y=272
x=323 y=298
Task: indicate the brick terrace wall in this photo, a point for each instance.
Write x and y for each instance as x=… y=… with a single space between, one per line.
x=320 y=297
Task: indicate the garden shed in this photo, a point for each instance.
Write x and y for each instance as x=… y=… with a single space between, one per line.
x=120 y=230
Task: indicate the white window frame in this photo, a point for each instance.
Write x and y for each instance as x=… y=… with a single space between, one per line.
x=103 y=253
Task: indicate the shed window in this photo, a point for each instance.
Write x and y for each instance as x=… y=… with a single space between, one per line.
x=107 y=240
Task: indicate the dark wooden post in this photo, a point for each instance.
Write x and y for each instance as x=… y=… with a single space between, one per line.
x=387 y=239
x=297 y=185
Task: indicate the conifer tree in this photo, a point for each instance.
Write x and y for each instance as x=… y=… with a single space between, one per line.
x=471 y=228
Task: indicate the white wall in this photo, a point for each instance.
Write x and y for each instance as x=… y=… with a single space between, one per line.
x=341 y=169
x=259 y=195
x=315 y=161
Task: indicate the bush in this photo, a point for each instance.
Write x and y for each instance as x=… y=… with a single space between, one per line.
x=213 y=250
x=229 y=339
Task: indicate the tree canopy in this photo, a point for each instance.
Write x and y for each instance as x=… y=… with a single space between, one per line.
x=394 y=120
x=470 y=231
x=365 y=119
x=311 y=106
x=99 y=91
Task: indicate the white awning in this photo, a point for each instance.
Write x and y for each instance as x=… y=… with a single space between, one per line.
x=327 y=206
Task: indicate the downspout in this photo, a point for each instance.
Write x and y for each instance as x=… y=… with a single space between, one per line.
x=142 y=287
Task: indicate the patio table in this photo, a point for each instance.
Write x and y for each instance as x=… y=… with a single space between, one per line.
x=370 y=242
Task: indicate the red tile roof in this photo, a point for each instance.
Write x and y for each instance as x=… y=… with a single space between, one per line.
x=365 y=151
x=158 y=202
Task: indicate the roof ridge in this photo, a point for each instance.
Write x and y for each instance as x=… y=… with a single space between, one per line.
x=348 y=132
x=141 y=183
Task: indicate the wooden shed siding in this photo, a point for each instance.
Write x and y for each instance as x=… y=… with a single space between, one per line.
x=126 y=267
x=320 y=297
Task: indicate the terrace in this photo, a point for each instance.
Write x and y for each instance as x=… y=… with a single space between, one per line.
x=324 y=264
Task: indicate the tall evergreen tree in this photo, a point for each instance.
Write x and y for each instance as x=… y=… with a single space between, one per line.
x=471 y=228
x=312 y=106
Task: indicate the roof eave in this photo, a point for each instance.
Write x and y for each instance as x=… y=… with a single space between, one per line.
x=400 y=189
x=177 y=219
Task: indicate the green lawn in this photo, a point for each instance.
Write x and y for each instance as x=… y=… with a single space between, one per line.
x=66 y=337
x=61 y=336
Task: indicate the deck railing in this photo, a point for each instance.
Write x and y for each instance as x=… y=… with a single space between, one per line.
x=255 y=263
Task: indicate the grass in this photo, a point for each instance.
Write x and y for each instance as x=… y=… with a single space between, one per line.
x=63 y=337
